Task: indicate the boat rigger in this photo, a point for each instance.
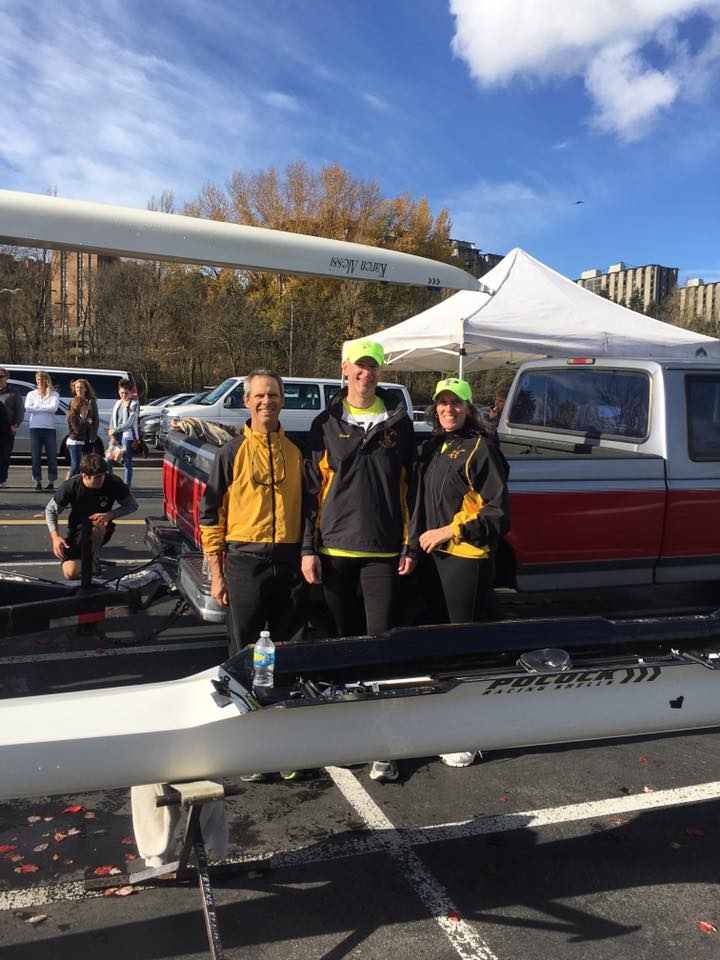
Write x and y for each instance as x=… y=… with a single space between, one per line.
x=412 y=693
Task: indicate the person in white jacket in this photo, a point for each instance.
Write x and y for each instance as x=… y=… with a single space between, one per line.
x=41 y=406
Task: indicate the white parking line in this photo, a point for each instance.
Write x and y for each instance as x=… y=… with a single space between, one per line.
x=371 y=843
x=465 y=941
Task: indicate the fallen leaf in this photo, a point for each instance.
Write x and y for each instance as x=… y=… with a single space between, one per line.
x=646 y=761
x=27 y=868
x=59 y=837
x=502 y=798
x=8 y=847
x=647 y=789
x=454 y=916
x=16 y=858
x=48 y=819
x=38 y=918
x=74 y=831
x=33 y=819
x=617 y=821
x=105 y=871
x=56 y=856
x=74 y=808
x=695 y=832
x=674 y=845
x=40 y=847
x=131 y=856
x=90 y=815
x=706 y=927
x=128 y=840
x=124 y=891
x=101 y=832
x=68 y=862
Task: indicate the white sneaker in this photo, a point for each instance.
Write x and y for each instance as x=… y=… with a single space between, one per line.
x=383 y=770
x=460 y=759
x=2 y=483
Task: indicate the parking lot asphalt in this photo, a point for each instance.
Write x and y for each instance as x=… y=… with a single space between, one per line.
x=587 y=850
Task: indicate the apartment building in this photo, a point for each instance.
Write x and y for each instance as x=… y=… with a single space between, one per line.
x=72 y=274
x=473 y=260
x=620 y=283
x=702 y=300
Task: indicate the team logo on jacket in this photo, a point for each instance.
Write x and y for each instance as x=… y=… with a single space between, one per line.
x=389 y=439
x=104 y=504
x=343 y=436
x=454 y=454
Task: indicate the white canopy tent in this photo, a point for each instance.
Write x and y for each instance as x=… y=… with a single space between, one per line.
x=526 y=310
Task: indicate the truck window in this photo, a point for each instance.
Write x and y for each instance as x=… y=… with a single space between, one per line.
x=702 y=396
x=589 y=400
x=302 y=396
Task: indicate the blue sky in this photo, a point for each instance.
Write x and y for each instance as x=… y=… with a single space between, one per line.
x=505 y=111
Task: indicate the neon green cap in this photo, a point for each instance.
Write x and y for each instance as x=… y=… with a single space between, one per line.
x=358 y=349
x=461 y=388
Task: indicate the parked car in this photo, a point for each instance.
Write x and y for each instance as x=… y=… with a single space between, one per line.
x=22 y=437
x=151 y=419
x=104 y=382
x=150 y=406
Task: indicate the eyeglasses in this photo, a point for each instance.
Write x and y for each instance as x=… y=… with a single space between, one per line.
x=276 y=478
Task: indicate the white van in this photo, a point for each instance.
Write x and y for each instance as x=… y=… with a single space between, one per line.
x=103 y=382
x=305 y=398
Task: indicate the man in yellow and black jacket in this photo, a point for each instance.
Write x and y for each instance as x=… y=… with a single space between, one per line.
x=251 y=517
x=360 y=490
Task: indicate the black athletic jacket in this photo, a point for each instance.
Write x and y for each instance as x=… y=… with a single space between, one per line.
x=361 y=488
x=465 y=485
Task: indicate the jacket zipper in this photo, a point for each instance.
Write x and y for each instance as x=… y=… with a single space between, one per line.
x=272 y=485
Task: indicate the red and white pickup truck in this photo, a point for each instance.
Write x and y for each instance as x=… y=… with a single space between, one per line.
x=614 y=479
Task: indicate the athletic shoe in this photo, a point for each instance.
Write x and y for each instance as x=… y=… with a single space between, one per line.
x=2 y=483
x=459 y=759
x=253 y=777
x=38 y=486
x=383 y=770
x=50 y=486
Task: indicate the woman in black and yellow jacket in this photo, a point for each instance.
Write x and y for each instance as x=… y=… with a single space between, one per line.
x=465 y=503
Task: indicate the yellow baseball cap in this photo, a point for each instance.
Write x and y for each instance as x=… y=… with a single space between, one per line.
x=461 y=388
x=358 y=349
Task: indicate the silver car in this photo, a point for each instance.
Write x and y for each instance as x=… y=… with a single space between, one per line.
x=22 y=437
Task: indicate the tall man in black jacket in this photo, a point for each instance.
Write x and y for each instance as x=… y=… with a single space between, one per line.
x=360 y=508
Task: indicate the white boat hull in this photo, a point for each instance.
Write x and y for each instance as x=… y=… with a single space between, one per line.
x=183 y=730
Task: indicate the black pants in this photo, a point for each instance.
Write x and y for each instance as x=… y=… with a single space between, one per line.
x=6 y=445
x=262 y=592
x=375 y=576
x=458 y=589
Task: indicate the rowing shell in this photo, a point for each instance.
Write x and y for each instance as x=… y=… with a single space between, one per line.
x=209 y=725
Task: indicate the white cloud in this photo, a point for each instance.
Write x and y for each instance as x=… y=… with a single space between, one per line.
x=282 y=101
x=378 y=103
x=106 y=107
x=498 y=216
x=604 y=43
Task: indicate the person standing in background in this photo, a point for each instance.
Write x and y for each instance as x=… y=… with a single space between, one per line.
x=12 y=411
x=83 y=422
x=42 y=404
x=124 y=428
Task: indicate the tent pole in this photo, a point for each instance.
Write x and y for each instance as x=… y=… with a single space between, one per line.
x=461 y=357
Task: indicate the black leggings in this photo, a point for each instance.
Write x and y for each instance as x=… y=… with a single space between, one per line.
x=375 y=576
x=465 y=586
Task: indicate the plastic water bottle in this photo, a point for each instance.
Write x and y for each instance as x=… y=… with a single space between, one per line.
x=264 y=662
